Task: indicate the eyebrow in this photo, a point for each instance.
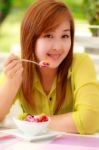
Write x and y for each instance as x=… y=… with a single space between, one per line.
x=66 y=30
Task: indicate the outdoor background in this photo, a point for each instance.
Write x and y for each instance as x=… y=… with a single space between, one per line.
x=10 y=26
x=86 y=16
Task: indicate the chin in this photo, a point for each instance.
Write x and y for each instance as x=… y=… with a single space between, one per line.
x=54 y=66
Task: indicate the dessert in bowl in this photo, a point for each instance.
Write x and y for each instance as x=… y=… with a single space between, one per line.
x=33 y=125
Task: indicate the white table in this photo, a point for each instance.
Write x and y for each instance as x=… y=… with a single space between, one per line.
x=52 y=144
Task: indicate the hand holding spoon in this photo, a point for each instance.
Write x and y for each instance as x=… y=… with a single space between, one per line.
x=41 y=63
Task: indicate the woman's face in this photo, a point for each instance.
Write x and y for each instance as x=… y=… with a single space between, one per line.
x=54 y=46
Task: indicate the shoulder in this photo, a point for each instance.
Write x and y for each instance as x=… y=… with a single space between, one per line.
x=82 y=68
x=81 y=59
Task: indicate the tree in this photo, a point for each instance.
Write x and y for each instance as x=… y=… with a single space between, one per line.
x=5 y=6
x=91 y=10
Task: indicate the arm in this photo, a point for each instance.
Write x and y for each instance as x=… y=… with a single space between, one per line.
x=63 y=123
x=85 y=117
x=8 y=90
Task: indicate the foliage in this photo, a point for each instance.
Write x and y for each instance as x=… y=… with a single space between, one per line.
x=22 y=4
x=5 y=6
x=76 y=8
x=91 y=10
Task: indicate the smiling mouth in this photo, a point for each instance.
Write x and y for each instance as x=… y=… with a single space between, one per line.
x=54 y=56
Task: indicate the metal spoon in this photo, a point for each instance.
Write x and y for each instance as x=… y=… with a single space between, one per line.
x=30 y=61
x=44 y=64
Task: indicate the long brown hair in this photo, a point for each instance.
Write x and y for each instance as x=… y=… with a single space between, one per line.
x=42 y=16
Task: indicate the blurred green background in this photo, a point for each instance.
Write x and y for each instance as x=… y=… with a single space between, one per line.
x=10 y=27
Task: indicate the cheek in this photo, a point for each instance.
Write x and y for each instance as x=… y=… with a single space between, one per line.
x=67 y=46
x=41 y=49
x=43 y=46
x=38 y=52
x=38 y=46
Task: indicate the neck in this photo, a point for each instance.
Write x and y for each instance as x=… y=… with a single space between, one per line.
x=46 y=73
x=47 y=76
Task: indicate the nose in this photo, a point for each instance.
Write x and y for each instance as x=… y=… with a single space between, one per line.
x=57 y=45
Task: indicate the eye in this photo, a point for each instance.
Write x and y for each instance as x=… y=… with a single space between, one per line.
x=65 y=36
x=48 y=36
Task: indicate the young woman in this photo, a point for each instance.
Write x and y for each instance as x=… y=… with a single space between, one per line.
x=66 y=89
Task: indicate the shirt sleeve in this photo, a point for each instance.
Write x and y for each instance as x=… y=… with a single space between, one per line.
x=86 y=96
x=2 y=80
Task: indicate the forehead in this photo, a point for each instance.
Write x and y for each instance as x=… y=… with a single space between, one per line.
x=64 y=26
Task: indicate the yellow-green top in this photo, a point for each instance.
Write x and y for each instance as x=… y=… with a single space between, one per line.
x=82 y=95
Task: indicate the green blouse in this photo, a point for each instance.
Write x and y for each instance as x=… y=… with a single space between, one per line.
x=82 y=95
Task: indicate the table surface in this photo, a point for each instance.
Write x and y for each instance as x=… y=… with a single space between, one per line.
x=69 y=141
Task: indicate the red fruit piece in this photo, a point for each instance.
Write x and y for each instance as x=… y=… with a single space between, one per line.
x=44 y=64
x=43 y=118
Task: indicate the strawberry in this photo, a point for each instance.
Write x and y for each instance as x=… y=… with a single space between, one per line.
x=44 y=63
x=39 y=118
x=43 y=118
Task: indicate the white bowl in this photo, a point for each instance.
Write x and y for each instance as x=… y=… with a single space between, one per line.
x=32 y=128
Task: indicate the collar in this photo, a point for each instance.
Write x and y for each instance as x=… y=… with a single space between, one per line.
x=37 y=83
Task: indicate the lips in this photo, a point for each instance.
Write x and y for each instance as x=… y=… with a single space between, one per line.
x=54 y=56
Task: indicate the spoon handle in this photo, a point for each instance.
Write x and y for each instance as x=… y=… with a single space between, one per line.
x=30 y=61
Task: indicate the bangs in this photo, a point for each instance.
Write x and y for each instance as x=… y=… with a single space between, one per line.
x=54 y=21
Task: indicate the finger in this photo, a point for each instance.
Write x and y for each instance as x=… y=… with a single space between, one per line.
x=10 y=59
x=19 y=73
x=15 y=69
x=12 y=73
x=11 y=65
